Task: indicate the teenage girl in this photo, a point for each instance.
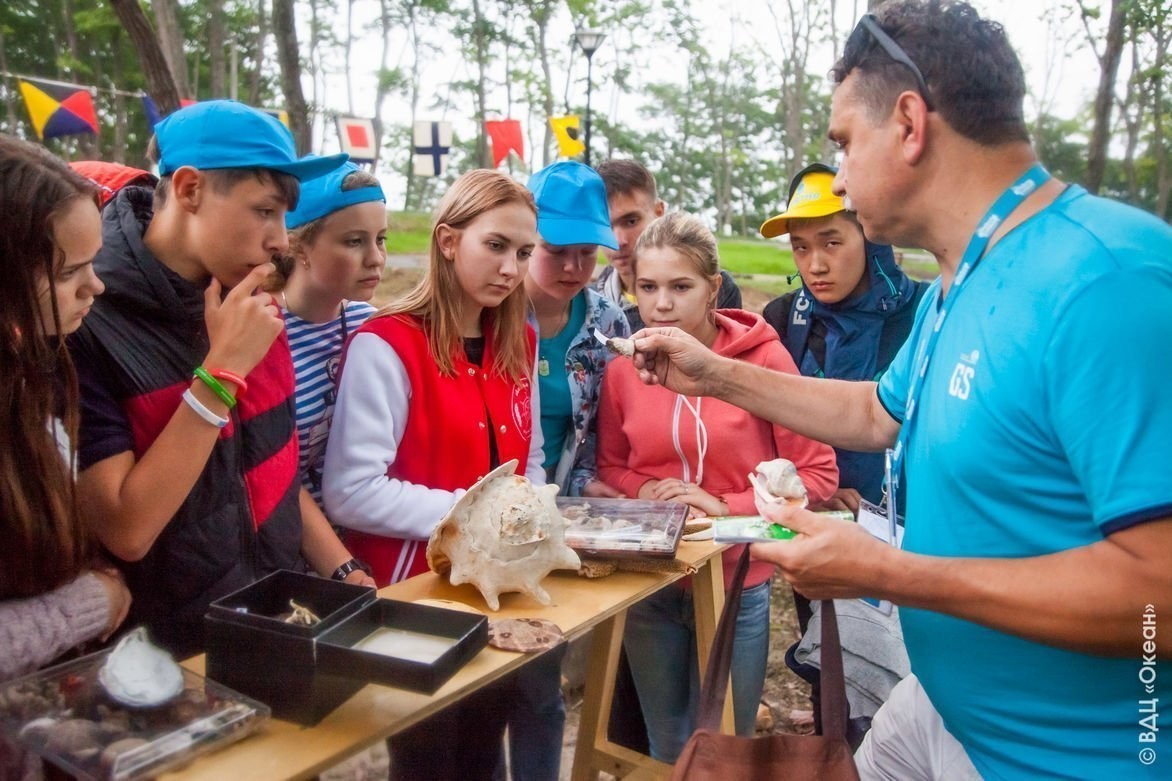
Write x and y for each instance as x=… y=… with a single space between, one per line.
x=54 y=595
x=656 y=444
x=437 y=390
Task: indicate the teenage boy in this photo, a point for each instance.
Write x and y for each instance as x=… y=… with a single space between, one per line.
x=188 y=455
x=633 y=201
x=851 y=315
x=1030 y=404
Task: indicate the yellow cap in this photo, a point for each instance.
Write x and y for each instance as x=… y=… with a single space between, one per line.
x=813 y=197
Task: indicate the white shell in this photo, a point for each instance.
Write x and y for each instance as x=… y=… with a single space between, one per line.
x=504 y=535
x=621 y=346
x=779 y=478
x=140 y=674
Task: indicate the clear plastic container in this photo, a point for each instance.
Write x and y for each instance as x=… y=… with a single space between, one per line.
x=622 y=527
x=63 y=714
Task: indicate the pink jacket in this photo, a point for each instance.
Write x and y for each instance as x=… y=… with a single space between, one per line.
x=646 y=432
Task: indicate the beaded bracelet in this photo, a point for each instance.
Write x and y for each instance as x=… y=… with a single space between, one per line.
x=202 y=374
x=232 y=377
x=205 y=413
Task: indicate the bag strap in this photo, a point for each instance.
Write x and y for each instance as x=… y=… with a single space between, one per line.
x=712 y=692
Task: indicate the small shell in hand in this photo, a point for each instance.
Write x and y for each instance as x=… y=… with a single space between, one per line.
x=620 y=346
x=140 y=674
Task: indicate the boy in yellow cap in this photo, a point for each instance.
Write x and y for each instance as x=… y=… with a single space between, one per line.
x=853 y=311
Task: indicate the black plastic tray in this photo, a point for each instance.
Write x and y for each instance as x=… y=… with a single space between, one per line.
x=464 y=634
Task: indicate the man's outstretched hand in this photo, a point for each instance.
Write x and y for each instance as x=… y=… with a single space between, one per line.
x=676 y=360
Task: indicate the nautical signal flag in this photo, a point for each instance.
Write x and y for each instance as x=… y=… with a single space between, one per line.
x=58 y=109
x=433 y=142
x=356 y=135
x=152 y=109
x=565 y=130
x=506 y=137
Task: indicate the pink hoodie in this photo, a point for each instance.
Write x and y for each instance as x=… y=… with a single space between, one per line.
x=646 y=432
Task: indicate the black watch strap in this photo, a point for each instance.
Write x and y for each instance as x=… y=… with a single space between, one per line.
x=344 y=570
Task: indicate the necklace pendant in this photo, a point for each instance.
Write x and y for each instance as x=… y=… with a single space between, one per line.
x=543 y=367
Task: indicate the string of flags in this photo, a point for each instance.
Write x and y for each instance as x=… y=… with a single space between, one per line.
x=59 y=109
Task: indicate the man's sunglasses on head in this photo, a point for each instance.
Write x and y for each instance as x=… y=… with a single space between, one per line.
x=868 y=24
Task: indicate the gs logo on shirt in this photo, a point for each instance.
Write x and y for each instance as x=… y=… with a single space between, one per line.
x=961 y=382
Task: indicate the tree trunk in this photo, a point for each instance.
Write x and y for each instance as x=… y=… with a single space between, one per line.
x=413 y=29
x=1134 y=98
x=541 y=13
x=171 y=41
x=285 y=32
x=480 y=38
x=11 y=122
x=380 y=95
x=262 y=34
x=217 y=45
x=1163 y=175
x=346 y=59
x=1105 y=97
x=160 y=81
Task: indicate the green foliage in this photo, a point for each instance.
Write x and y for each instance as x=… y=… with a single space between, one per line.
x=408 y=233
x=755 y=257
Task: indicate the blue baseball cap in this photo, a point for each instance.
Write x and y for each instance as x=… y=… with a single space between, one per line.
x=324 y=195
x=571 y=205
x=227 y=134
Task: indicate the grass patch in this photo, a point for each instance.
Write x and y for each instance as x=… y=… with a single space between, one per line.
x=408 y=233
x=741 y=256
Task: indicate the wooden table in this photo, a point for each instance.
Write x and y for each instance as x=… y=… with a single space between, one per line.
x=284 y=750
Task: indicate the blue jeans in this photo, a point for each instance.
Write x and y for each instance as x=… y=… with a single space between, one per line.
x=660 y=641
x=537 y=719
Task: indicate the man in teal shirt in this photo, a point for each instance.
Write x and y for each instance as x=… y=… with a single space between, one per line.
x=1029 y=407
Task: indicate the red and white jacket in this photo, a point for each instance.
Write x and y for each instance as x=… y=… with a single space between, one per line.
x=406 y=441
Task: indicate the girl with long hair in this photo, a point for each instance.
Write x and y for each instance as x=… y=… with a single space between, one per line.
x=53 y=595
x=436 y=390
x=656 y=444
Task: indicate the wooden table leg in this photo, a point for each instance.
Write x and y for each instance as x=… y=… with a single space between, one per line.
x=708 y=601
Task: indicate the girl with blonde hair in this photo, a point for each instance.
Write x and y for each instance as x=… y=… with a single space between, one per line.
x=436 y=390
x=656 y=444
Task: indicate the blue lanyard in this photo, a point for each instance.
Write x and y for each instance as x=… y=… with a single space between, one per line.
x=1009 y=200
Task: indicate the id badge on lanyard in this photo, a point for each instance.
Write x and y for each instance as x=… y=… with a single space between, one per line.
x=882 y=523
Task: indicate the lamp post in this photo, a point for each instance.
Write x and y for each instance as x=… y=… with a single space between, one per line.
x=589 y=40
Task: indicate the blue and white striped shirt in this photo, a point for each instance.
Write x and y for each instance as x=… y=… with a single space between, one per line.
x=317 y=351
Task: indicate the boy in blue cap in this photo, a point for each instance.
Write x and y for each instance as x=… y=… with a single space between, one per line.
x=188 y=454
x=573 y=221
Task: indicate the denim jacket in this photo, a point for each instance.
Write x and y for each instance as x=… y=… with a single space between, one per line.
x=586 y=361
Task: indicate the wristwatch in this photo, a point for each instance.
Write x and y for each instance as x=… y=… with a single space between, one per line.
x=344 y=570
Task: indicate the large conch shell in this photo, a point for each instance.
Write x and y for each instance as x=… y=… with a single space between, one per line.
x=504 y=535
x=140 y=674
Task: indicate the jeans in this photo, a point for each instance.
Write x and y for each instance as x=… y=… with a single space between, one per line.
x=660 y=641
x=538 y=718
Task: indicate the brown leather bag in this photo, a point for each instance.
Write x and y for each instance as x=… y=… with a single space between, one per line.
x=711 y=756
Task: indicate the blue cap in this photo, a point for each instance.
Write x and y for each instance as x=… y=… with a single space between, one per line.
x=226 y=134
x=324 y=195
x=571 y=205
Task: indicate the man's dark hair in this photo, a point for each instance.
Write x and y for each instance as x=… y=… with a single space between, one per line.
x=222 y=180
x=626 y=176
x=975 y=80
